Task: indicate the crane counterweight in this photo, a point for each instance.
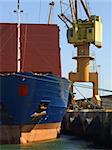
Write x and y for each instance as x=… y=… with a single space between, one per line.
x=86 y=31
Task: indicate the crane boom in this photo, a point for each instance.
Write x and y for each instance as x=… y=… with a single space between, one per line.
x=71 y=10
x=76 y=10
x=85 y=8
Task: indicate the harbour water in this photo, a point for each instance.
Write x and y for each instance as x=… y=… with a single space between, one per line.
x=63 y=143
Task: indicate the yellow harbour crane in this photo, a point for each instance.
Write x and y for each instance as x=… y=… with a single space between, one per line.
x=81 y=33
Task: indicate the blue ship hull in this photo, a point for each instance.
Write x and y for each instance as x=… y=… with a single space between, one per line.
x=28 y=99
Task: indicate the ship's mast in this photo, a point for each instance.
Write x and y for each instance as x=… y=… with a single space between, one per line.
x=18 y=45
x=50 y=13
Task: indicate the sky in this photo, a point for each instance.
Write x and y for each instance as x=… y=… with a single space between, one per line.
x=37 y=11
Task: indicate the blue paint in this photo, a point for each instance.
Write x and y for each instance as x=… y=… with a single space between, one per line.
x=17 y=110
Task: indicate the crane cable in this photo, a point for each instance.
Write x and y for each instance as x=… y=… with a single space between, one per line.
x=73 y=7
x=71 y=10
x=39 y=11
x=61 y=6
x=80 y=93
x=90 y=87
x=89 y=101
x=88 y=6
x=80 y=10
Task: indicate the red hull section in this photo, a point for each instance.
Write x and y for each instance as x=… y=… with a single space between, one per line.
x=39 y=47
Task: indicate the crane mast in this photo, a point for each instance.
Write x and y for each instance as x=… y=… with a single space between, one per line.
x=50 y=13
x=81 y=34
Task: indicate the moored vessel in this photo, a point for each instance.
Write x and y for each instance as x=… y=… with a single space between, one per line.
x=33 y=95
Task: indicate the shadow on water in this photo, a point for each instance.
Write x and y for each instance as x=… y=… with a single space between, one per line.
x=63 y=143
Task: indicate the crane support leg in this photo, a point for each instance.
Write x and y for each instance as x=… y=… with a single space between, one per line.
x=93 y=77
x=83 y=73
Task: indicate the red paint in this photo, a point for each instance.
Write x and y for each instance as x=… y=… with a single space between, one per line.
x=23 y=90
x=40 y=50
x=8 y=44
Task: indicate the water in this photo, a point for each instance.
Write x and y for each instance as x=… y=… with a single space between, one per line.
x=63 y=143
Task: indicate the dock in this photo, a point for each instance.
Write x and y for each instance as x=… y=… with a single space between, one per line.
x=95 y=125
x=90 y=124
